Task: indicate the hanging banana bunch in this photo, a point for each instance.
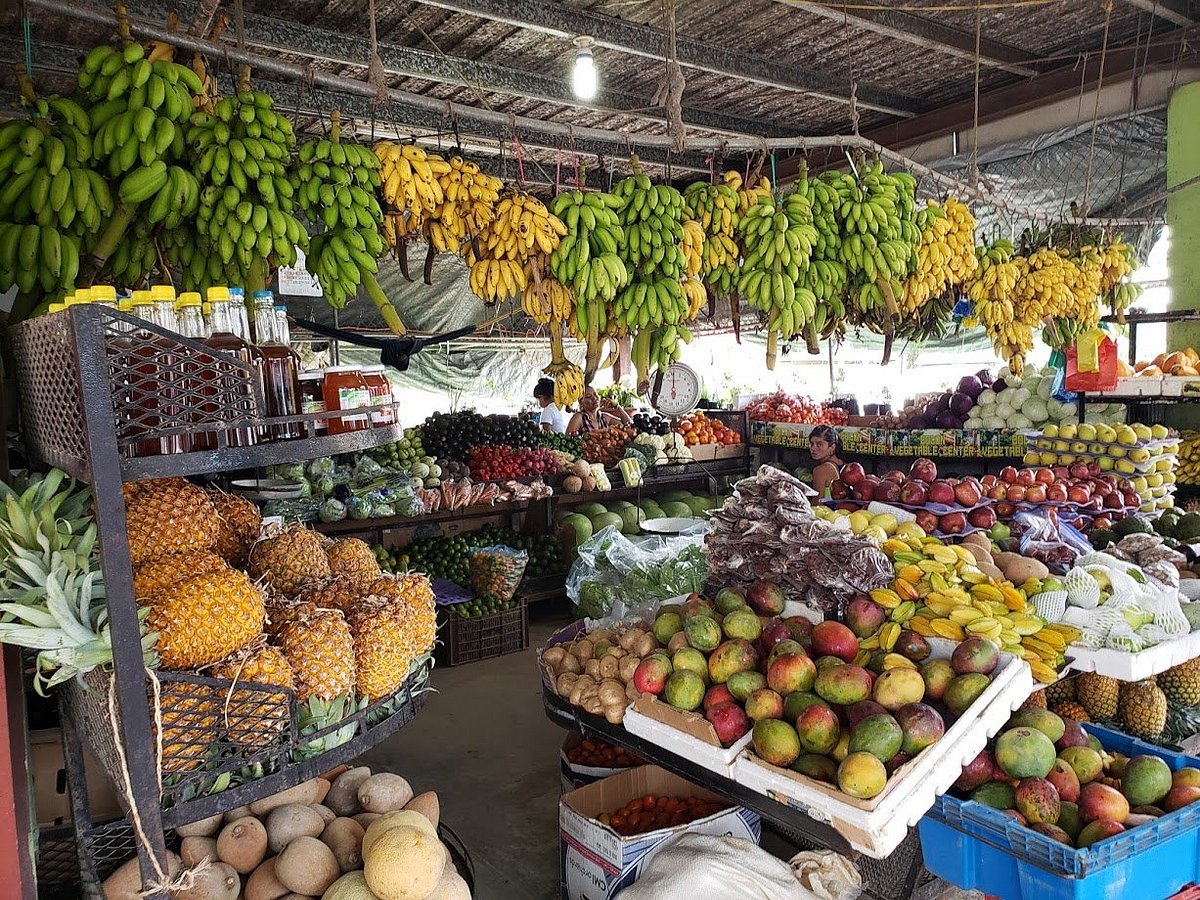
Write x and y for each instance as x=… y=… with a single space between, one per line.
x=945 y=260
x=777 y=236
x=826 y=275
x=469 y=198
x=50 y=198
x=692 y=246
x=522 y=231
x=715 y=207
x=992 y=292
x=412 y=192
x=568 y=377
x=335 y=184
x=1117 y=261
x=245 y=223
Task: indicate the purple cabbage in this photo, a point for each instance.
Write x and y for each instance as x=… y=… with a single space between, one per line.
x=947 y=419
x=999 y=385
x=960 y=404
x=969 y=385
x=985 y=377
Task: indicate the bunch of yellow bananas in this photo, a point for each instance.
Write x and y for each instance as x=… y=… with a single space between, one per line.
x=493 y=280
x=545 y=299
x=1188 y=471
x=522 y=230
x=940 y=591
x=692 y=244
x=992 y=291
x=469 y=198
x=411 y=188
x=945 y=254
x=715 y=207
x=568 y=377
x=748 y=194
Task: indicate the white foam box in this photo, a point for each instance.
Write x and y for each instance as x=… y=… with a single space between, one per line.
x=686 y=734
x=877 y=826
x=1135 y=666
x=1136 y=386
x=597 y=863
x=1178 y=385
x=575 y=776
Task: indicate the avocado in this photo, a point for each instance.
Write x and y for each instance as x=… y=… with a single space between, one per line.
x=1101 y=537
x=1187 y=529
x=1134 y=525
x=1168 y=522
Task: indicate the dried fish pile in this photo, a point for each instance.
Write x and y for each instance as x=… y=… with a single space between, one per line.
x=767 y=530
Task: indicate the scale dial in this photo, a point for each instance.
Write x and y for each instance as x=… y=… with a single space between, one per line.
x=679 y=392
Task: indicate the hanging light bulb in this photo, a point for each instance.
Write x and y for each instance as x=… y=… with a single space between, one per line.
x=584 y=79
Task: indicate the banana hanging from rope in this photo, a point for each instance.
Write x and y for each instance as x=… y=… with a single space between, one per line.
x=469 y=198
x=412 y=193
x=523 y=230
x=568 y=377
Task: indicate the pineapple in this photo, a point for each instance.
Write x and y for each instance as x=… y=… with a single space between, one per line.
x=168 y=515
x=162 y=573
x=1069 y=709
x=254 y=718
x=340 y=592
x=280 y=611
x=1143 y=709
x=320 y=649
x=241 y=523
x=354 y=559
x=1181 y=684
x=203 y=619
x=1060 y=691
x=188 y=718
x=415 y=593
x=383 y=650
x=1036 y=700
x=1098 y=694
x=290 y=560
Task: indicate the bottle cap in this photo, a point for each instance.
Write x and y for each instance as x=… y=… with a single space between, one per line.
x=141 y=298
x=125 y=304
x=189 y=299
x=82 y=295
x=159 y=292
x=217 y=293
x=103 y=293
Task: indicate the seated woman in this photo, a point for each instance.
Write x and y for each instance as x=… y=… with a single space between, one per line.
x=551 y=419
x=594 y=414
x=823 y=446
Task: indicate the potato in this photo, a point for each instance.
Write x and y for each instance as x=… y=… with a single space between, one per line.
x=601 y=634
x=611 y=691
x=384 y=792
x=584 y=648
x=584 y=683
x=553 y=656
x=327 y=815
x=569 y=665
x=307 y=866
x=343 y=794
x=427 y=805
x=609 y=666
x=217 y=882
x=263 y=885
x=592 y=667
x=304 y=793
x=344 y=837
x=626 y=667
x=564 y=683
x=126 y=882
x=243 y=844
x=286 y=823
x=645 y=646
x=194 y=849
x=615 y=713
x=629 y=639
x=599 y=648
x=203 y=828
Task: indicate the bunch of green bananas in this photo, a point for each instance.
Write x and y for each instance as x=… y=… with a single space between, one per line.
x=715 y=207
x=777 y=239
x=826 y=275
x=243 y=222
x=586 y=258
x=657 y=348
x=652 y=217
x=335 y=186
x=50 y=197
x=879 y=236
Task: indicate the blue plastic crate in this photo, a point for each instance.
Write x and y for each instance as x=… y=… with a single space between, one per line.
x=976 y=847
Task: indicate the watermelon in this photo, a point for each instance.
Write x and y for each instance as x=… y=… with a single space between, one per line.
x=581 y=525
x=677 y=510
x=591 y=510
x=632 y=517
x=619 y=506
x=673 y=497
x=606 y=519
x=699 y=506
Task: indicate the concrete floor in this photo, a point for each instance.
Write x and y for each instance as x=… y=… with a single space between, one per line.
x=483 y=742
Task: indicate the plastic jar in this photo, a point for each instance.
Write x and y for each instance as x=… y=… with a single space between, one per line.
x=382 y=412
x=312 y=397
x=344 y=388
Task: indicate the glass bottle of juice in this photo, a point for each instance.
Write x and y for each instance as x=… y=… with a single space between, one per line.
x=240 y=315
x=344 y=388
x=163 y=298
x=280 y=369
x=223 y=338
x=382 y=411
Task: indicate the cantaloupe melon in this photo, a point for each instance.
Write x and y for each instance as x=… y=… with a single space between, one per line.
x=402 y=817
x=404 y=864
x=351 y=886
x=451 y=887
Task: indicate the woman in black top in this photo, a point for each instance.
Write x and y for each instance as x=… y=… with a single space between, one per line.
x=595 y=415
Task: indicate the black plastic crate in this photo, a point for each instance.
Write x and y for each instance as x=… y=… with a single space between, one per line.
x=466 y=640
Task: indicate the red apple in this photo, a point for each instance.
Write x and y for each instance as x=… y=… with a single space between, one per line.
x=923 y=470
x=1056 y=492
x=1094 y=505
x=886 y=491
x=1079 y=470
x=839 y=490
x=1035 y=493
x=865 y=489
x=1130 y=498
x=998 y=491
x=914 y=493
x=1101 y=488
x=927 y=521
x=1044 y=476
x=966 y=493
x=1004 y=509
x=984 y=517
x=1093 y=468
x=1061 y=473
x=941 y=492
x=1114 y=501
x=987 y=481
x=852 y=474
x=1025 y=477
x=1077 y=493
x=1008 y=475
x=975 y=483
x=953 y=523
x=895 y=475
x=1016 y=493
x=1102 y=522
x=953 y=482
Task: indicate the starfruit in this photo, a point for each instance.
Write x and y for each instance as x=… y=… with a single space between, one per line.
x=909 y=573
x=987 y=592
x=1025 y=624
x=896 y=661
x=862 y=658
x=964 y=555
x=1042 y=672
x=943 y=554
x=886 y=597
x=933 y=567
x=870 y=643
x=1041 y=648
x=947 y=629
x=906 y=589
x=888 y=635
x=965 y=615
x=982 y=625
x=972 y=575
x=904 y=611
x=1009 y=638
x=920 y=624
x=1013 y=598
x=893 y=546
x=1052 y=639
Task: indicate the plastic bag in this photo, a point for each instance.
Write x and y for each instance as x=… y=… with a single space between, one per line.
x=614 y=573
x=496 y=571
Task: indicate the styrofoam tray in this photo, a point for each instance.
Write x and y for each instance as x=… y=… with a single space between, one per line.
x=877 y=827
x=1135 y=666
x=1136 y=386
x=1173 y=385
x=718 y=759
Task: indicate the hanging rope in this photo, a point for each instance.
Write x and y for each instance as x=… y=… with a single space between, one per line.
x=376 y=75
x=1087 y=178
x=673 y=83
x=975 y=120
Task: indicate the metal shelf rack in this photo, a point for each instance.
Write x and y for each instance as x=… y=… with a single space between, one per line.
x=95 y=384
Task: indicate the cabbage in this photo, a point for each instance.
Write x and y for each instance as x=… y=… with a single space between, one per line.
x=969 y=385
x=1002 y=410
x=1046 y=388
x=994 y=422
x=1013 y=381
x=1035 y=410
x=1019 y=396
x=1018 y=421
x=1005 y=372
x=986 y=398
x=960 y=404
x=1031 y=384
x=973 y=423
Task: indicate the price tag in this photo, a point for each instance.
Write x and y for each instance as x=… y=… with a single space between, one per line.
x=297 y=281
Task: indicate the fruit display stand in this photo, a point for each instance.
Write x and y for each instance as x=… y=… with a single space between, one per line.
x=978 y=848
x=94 y=382
x=1135 y=666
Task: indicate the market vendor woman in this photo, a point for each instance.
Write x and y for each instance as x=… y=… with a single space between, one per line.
x=595 y=415
x=824 y=446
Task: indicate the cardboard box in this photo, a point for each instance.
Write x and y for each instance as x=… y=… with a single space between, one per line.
x=49 y=774
x=597 y=863
x=712 y=452
x=686 y=734
x=576 y=776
